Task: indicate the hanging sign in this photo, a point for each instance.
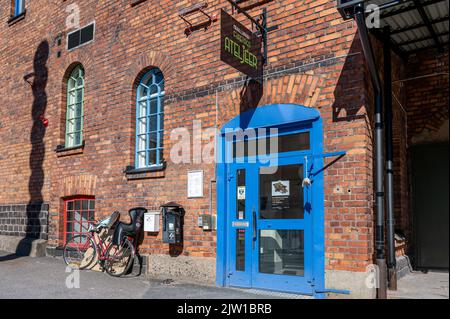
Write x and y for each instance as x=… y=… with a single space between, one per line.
x=240 y=47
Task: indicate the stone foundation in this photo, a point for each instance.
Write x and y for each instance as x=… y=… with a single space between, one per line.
x=355 y=282
x=193 y=269
x=24 y=220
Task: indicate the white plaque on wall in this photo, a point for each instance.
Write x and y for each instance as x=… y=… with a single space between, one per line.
x=195 y=184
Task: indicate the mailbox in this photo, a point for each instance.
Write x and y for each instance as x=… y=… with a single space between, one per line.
x=172 y=223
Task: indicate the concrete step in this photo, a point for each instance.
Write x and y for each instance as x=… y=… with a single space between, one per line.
x=23 y=246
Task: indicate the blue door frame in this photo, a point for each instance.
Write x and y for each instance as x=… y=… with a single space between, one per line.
x=287 y=118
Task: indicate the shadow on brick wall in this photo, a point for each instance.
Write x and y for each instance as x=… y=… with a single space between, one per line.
x=35 y=229
x=250 y=95
x=350 y=88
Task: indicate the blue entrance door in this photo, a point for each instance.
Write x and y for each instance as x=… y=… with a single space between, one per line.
x=269 y=217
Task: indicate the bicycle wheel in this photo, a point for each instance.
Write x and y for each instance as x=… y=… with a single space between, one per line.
x=119 y=259
x=79 y=252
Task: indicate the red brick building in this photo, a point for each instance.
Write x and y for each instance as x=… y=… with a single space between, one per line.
x=71 y=129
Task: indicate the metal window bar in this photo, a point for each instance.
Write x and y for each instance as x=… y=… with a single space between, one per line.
x=85 y=207
x=148 y=116
x=75 y=112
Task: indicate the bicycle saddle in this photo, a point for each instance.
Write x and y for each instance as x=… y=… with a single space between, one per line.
x=132 y=228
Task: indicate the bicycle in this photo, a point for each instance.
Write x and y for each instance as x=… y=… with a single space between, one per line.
x=116 y=259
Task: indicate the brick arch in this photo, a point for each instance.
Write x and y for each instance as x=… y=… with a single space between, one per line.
x=81 y=57
x=303 y=89
x=69 y=71
x=84 y=184
x=149 y=59
x=78 y=58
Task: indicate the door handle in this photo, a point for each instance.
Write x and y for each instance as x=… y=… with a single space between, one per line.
x=254 y=228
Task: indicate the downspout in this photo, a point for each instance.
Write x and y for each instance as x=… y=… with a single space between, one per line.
x=379 y=151
x=390 y=233
x=214 y=179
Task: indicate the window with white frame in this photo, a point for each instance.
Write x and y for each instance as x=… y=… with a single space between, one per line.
x=150 y=120
x=74 y=112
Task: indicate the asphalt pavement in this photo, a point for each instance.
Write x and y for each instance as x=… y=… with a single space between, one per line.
x=47 y=277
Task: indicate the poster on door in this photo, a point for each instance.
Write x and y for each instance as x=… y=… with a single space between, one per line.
x=280 y=188
x=280 y=195
x=241 y=192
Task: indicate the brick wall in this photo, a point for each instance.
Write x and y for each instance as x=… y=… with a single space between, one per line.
x=314 y=59
x=427 y=92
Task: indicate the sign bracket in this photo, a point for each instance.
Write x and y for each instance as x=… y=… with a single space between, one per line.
x=262 y=27
x=338 y=155
x=200 y=7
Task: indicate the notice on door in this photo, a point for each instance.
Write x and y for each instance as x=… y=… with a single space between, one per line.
x=280 y=188
x=241 y=192
x=280 y=195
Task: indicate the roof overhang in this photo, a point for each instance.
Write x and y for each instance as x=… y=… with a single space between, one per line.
x=412 y=25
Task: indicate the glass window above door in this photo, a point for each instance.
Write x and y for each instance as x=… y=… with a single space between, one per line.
x=285 y=143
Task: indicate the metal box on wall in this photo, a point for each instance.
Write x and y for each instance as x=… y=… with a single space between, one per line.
x=172 y=223
x=151 y=221
x=207 y=222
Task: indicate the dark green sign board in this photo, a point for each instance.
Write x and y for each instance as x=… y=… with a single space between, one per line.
x=239 y=47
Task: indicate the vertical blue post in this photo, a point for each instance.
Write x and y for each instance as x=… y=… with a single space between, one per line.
x=318 y=212
x=221 y=212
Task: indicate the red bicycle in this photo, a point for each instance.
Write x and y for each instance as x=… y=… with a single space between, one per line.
x=115 y=257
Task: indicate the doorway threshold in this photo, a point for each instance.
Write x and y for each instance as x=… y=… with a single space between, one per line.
x=273 y=294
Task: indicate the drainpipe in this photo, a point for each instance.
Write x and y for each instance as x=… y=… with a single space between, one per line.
x=391 y=264
x=379 y=151
x=214 y=179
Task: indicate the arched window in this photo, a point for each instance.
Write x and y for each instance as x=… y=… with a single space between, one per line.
x=74 y=112
x=150 y=120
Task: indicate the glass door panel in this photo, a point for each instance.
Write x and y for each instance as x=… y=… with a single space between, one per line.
x=281 y=252
x=281 y=193
x=240 y=249
x=239 y=272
